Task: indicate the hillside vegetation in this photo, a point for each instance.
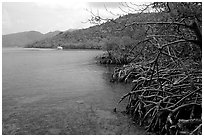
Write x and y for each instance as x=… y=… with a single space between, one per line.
x=96 y=37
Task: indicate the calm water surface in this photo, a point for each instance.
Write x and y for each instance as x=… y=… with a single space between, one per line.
x=60 y=92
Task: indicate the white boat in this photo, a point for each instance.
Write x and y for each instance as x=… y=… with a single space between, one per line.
x=59 y=48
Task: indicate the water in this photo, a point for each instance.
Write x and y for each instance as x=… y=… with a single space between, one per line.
x=60 y=92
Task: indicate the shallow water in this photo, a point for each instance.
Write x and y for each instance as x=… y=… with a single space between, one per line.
x=60 y=92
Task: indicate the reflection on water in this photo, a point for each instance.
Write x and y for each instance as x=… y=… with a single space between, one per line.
x=39 y=83
x=50 y=71
x=29 y=71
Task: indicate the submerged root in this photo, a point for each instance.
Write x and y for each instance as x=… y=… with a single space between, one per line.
x=166 y=101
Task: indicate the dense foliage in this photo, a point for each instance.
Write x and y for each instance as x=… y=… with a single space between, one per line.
x=166 y=71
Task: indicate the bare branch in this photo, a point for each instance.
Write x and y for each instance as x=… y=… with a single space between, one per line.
x=174 y=42
x=111 y=11
x=165 y=36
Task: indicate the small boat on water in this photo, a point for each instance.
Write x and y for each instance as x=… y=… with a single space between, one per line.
x=59 y=48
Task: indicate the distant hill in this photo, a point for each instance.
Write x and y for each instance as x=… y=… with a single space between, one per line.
x=96 y=36
x=23 y=38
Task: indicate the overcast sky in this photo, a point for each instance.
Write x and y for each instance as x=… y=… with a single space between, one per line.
x=46 y=17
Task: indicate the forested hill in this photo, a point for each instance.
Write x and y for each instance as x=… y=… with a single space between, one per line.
x=21 y=39
x=97 y=36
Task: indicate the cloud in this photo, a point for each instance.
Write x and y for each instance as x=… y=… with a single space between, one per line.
x=104 y=4
x=49 y=16
x=6 y=21
x=61 y=4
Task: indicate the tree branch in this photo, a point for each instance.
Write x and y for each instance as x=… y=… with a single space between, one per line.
x=174 y=42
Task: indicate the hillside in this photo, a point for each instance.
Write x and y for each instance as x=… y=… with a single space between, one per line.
x=96 y=36
x=23 y=38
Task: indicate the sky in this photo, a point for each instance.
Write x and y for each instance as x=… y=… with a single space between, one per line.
x=59 y=15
